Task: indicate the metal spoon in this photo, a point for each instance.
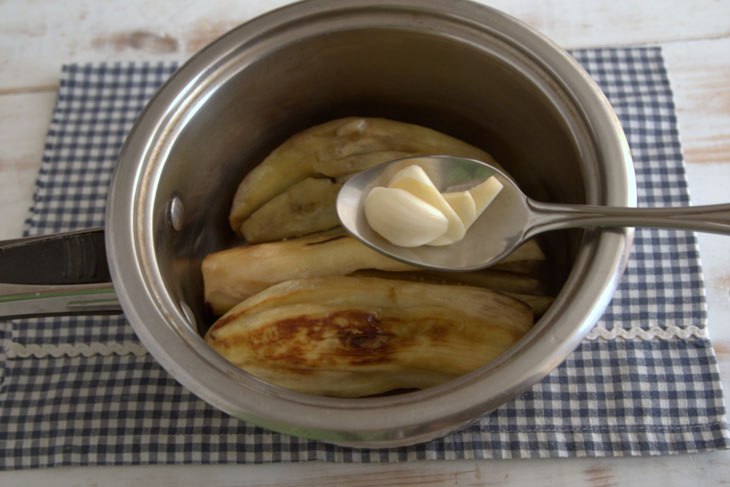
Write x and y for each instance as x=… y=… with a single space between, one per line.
x=510 y=220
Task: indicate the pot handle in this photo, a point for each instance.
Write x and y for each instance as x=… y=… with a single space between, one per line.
x=60 y=274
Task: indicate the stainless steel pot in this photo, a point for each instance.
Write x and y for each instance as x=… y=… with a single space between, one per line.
x=458 y=67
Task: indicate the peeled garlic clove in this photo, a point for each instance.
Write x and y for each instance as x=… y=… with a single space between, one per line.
x=412 y=172
x=463 y=204
x=402 y=218
x=484 y=193
x=481 y=196
x=414 y=180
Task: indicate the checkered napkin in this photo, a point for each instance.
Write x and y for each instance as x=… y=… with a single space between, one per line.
x=83 y=391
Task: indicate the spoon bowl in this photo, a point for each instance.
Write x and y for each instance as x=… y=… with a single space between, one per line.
x=509 y=221
x=485 y=242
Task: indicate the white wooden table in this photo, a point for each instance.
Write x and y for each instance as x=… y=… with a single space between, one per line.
x=36 y=37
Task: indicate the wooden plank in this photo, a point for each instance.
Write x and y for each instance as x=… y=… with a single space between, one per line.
x=24 y=119
x=621 y=22
x=35 y=45
x=668 y=471
x=700 y=76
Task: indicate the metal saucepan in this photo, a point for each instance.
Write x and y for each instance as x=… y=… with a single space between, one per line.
x=457 y=67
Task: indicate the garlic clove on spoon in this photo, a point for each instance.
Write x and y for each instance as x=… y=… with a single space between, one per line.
x=403 y=218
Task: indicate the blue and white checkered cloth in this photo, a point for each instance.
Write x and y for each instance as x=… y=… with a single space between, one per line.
x=83 y=391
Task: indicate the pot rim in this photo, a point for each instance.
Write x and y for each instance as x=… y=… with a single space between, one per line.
x=389 y=421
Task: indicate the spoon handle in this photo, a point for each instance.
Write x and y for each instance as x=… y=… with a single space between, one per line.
x=549 y=216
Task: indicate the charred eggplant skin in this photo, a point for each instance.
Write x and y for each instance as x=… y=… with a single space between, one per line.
x=353 y=337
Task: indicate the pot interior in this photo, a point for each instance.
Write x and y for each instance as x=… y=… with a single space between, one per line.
x=489 y=95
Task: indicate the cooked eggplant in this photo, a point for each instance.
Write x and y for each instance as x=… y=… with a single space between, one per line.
x=488 y=278
x=520 y=286
x=537 y=302
x=300 y=313
x=230 y=276
x=352 y=337
x=335 y=149
x=304 y=208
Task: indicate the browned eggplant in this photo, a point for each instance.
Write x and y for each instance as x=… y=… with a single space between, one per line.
x=352 y=337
